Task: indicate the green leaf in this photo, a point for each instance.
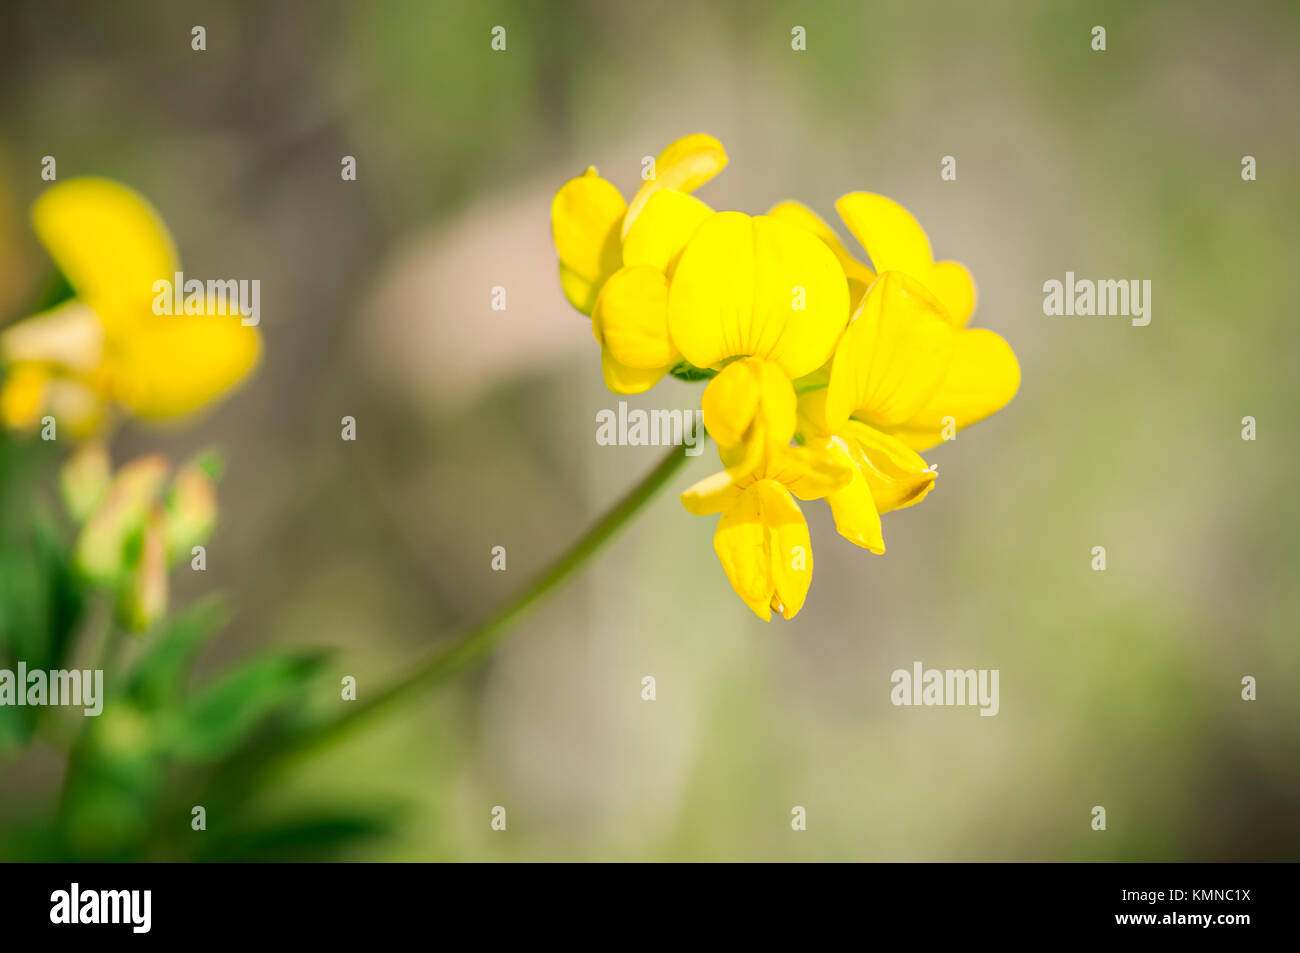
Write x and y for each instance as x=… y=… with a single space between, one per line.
x=224 y=714
x=41 y=602
x=310 y=835
x=156 y=679
x=212 y=462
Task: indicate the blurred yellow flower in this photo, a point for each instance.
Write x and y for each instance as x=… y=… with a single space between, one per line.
x=106 y=347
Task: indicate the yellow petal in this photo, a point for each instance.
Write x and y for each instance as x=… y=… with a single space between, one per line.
x=23 y=396
x=69 y=335
x=662 y=230
x=812 y=414
x=742 y=547
x=630 y=319
x=742 y=392
x=896 y=242
x=77 y=404
x=175 y=364
x=892 y=237
x=859 y=275
x=853 y=506
x=730 y=402
x=109 y=243
x=622 y=379
x=789 y=547
x=809 y=472
x=951 y=283
x=982 y=379
x=756 y=287
x=585 y=218
x=894 y=473
x=684 y=166
x=714 y=494
x=893 y=356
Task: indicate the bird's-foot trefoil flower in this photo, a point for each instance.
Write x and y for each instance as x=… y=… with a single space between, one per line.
x=983 y=373
x=890 y=359
x=106 y=349
x=762 y=537
x=617 y=259
x=828 y=373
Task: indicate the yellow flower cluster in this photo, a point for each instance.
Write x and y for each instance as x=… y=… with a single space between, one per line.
x=827 y=376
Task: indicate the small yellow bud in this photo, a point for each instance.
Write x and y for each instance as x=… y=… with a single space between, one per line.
x=84 y=480
x=103 y=549
x=144 y=600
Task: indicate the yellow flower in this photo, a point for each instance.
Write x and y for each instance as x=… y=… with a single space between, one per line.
x=106 y=346
x=861 y=365
x=750 y=407
x=905 y=366
x=617 y=259
x=762 y=538
x=982 y=372
x=887 y=474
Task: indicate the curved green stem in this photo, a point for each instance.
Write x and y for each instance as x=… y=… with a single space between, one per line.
x=479 y=640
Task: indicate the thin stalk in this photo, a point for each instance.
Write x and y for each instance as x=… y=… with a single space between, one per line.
x=480 y=640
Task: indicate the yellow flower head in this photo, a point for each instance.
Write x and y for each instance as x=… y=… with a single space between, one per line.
x=106 y=347
x=862 y=365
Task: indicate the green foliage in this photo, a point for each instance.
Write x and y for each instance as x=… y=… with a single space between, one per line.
x=220 y=717
x=166 y=739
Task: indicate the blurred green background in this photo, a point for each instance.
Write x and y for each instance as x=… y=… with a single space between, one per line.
x=476 y=427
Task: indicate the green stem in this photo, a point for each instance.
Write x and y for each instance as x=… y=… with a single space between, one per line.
x=111 y=647
x=480 y=640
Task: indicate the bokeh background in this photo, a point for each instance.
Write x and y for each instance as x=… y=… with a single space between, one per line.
x=476 y=427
